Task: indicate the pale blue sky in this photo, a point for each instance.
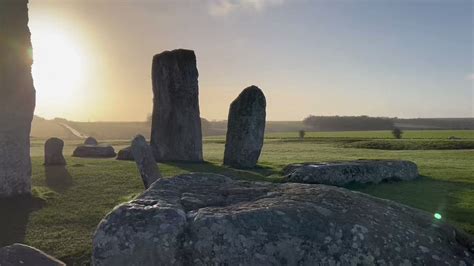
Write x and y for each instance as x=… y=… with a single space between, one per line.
x=369 y=57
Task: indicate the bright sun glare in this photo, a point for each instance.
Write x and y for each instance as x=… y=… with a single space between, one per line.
x=58 y=67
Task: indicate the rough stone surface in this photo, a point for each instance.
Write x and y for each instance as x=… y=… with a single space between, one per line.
x=208 y=219
x=17 y=99
x=94 y=151
x=245 y=129
x=125 y=154
x=343 y=173
x=53 y=152
x=19 y=254
x=176 y=125
x=91 y=141
x=145 y=161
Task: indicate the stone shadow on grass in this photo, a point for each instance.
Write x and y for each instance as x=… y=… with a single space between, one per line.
x=258 y=173
x=450 y=199
x=58 y=178
x=14 y=215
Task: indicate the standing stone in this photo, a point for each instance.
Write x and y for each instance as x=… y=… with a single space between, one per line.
x=176 y=124
x=17 y=98
x=245 y=129
x=53 y=152
x=145 y=161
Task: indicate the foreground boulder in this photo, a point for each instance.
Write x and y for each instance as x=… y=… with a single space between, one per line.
x=17 y=99
x=19 y=254
x=208 y=219
x=94 y=151
x=245 y=129
x=125 y=154
x=145 y=161
x=344 y=173
x=53 y=152
x=176 y=124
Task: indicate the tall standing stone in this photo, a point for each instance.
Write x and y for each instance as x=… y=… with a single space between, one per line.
x=245 y=129
x=176 y=124
x=17 y=98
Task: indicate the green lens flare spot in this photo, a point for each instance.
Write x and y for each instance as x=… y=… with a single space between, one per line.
x=438 y=216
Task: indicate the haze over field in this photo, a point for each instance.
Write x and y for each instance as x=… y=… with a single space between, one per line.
x=380 y=58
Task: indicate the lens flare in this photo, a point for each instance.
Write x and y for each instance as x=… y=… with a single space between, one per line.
x=438 y=216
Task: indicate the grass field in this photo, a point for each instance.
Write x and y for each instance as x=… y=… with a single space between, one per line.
x=79 y=195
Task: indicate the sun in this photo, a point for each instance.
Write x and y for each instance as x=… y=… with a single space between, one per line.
x=58 y=68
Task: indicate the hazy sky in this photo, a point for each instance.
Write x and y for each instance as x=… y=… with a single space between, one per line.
x=373 y=57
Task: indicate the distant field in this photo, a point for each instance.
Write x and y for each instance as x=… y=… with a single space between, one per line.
x=386 y=134
x=78 y=196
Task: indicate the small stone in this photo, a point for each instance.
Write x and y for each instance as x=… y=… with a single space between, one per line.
x=53 y=152
x=145 y=161
x=94 y=151
x=125 y=154
x=345 y=172
x=91 y=141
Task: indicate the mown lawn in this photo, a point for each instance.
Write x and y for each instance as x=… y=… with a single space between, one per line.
x=79 y=195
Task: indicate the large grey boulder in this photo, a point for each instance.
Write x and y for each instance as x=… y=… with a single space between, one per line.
x=209 y=219
x=17 y=99
x=125 y=154
x=53 y=152
x=346 y=172
x=19 y=254
x=94 y=151
x=145 y=161
x=245 y=129
x=176 y=125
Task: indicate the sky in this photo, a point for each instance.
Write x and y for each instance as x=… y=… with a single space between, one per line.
x=406 y=58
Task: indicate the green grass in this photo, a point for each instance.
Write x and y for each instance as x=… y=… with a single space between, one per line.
x=71 y=201
x=383 y=134
x=402 y=144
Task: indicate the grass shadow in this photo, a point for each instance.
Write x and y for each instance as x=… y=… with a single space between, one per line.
x=258 y=173
x=14 y=213
x=453 y=200
x=58 y=178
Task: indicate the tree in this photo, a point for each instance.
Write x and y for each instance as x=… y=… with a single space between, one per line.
x=397 y=133
x=302 y=133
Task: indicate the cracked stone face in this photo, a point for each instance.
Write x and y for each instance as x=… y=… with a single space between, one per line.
x=208 y=219
x=17 y=99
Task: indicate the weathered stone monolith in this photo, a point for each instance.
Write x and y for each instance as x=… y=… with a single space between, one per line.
x=17 y=98
x=245 y=129
x=176 y=125
x=145 y=161
x=53 y=152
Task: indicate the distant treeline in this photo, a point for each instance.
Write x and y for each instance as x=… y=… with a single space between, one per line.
x=435 y=123
x=342 y=123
